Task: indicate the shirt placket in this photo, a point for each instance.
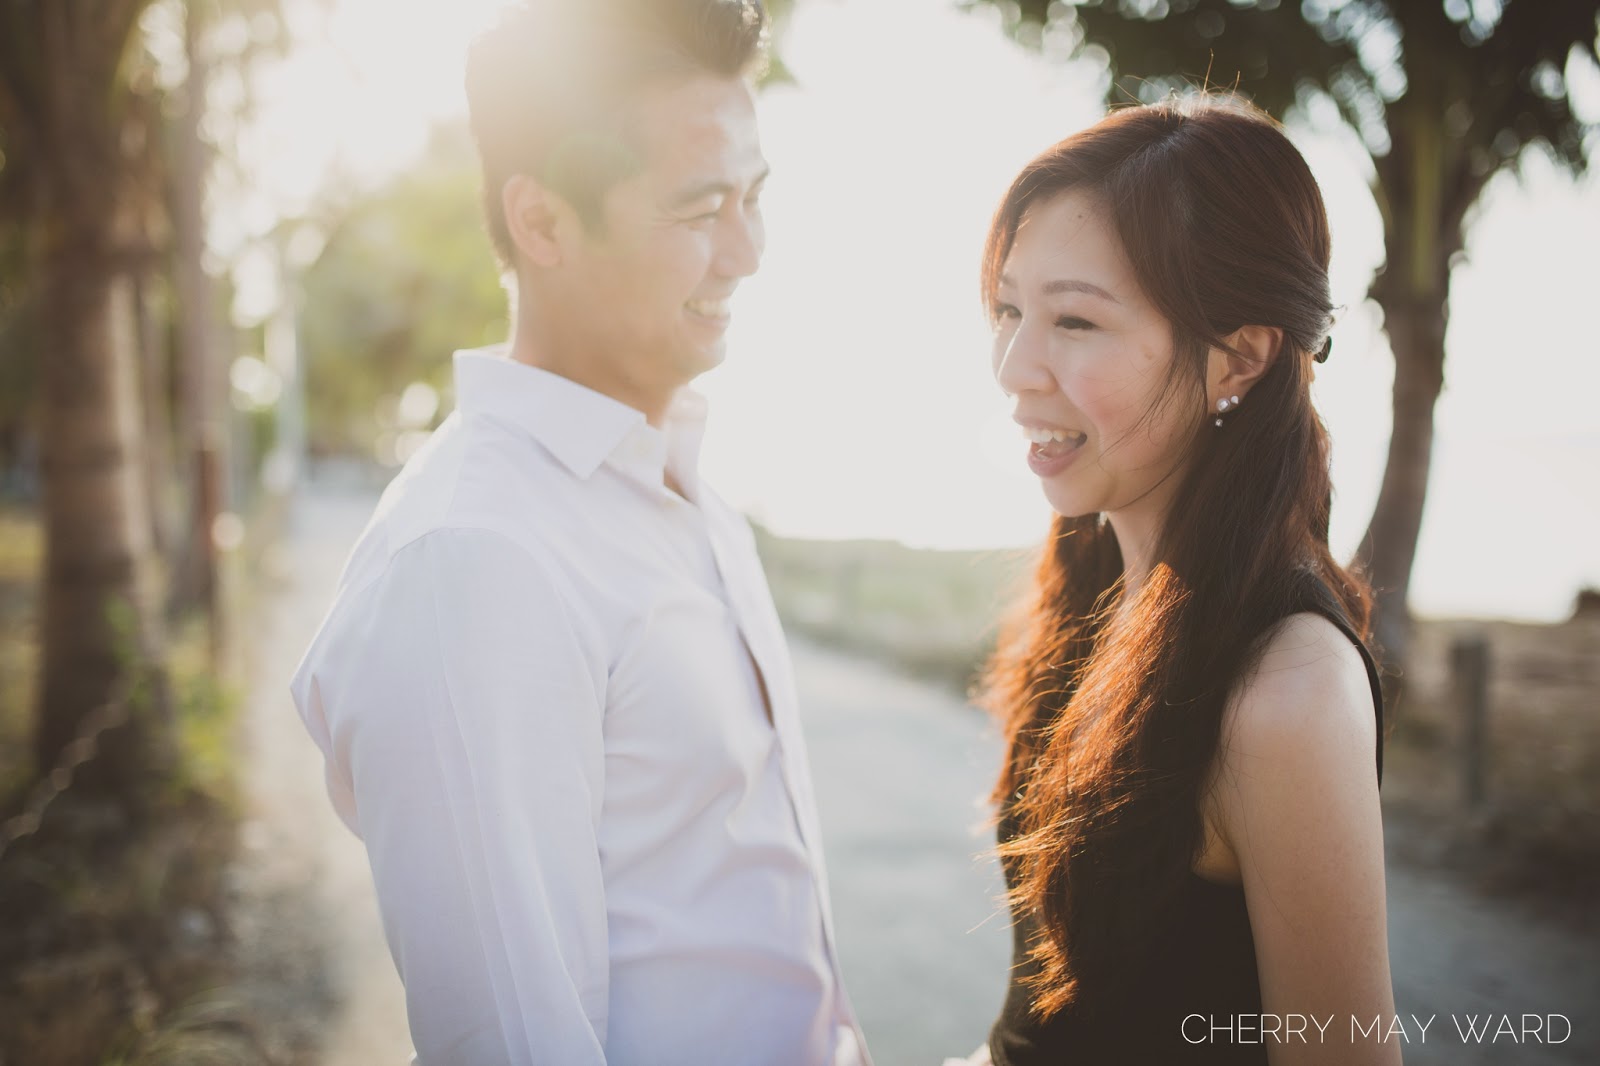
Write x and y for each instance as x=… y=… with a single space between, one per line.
x=762 y=640
x=786 y=724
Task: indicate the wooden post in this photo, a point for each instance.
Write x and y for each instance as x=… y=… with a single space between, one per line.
x=1469 y=682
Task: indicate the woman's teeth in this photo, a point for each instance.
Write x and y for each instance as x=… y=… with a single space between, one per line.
x=1046 y=436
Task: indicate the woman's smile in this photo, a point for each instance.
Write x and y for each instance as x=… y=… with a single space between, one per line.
x=1050 y=451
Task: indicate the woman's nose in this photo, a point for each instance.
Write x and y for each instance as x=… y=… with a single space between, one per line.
x=1019 y=363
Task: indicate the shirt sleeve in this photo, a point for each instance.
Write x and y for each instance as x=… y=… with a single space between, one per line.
x=464 y=712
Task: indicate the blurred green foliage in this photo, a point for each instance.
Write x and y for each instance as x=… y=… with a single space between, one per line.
x=406 y=278
x=934 y=614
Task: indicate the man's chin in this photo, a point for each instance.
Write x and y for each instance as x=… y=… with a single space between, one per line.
x=701 y=359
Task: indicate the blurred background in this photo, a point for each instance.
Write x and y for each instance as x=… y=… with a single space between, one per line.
x=239 y=240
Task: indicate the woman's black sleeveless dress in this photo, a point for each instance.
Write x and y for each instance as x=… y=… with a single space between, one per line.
x=1203 y=963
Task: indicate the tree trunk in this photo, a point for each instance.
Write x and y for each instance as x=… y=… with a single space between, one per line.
x=1422 y=233
x=98 y=629
x=1416 y=332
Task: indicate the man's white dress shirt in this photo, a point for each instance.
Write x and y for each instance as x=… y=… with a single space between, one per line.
x=539 y=693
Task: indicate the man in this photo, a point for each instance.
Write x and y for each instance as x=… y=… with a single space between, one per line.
x=552 y=693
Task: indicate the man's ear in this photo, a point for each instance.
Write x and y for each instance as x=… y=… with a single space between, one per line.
x=1230 y=374
x=538 y=220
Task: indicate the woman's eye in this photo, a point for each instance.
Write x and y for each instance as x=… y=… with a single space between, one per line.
x=1005 y=311
x=1074 y=322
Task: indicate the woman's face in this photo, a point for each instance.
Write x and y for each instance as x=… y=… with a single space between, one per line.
x=1087 y=359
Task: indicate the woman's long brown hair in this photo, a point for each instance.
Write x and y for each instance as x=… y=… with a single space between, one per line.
x=1112 y=727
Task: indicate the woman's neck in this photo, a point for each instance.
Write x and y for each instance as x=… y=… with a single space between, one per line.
x=1137 y=533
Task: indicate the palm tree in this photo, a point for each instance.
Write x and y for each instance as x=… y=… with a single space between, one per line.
x=1444 y=94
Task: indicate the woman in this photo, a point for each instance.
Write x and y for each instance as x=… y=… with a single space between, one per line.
x=1188 y=812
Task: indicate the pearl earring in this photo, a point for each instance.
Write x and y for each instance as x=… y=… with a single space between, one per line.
x=1224 y=405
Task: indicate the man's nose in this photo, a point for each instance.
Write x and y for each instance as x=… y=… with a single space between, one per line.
x=743 y=239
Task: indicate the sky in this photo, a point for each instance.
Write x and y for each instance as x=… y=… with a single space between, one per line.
x=857 y=399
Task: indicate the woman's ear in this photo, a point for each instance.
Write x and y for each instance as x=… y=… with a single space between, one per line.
x=1231 y=374
x=536 y=219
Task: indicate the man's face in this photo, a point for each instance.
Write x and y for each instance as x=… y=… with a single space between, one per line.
x=644 y=297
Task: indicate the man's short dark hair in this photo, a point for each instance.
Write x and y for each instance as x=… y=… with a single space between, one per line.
x=549 y=84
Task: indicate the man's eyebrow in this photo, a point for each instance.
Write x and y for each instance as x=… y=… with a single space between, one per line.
x=1054 y=288
x=706 y=189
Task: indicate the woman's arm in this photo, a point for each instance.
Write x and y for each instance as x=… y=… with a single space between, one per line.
x=1295 y=796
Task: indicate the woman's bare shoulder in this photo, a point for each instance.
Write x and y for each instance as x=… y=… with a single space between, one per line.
x=1308 y=689
x=1301 y=723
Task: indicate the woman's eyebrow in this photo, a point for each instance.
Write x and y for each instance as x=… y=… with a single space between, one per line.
x=1054 y=288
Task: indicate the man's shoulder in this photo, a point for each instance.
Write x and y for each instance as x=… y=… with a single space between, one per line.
x=468 y=479
x=460 y=522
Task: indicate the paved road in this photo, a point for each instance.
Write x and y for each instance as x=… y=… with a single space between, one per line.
x=900 y=767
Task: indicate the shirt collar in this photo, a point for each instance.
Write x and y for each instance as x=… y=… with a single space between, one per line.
x=582 y=428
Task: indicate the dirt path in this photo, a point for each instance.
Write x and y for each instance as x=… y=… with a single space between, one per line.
x=899 y=767
x=309 y=922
